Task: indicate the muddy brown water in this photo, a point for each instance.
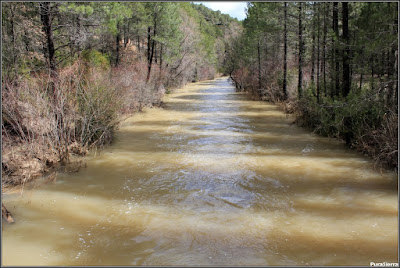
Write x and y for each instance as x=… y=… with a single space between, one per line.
x=214 y=178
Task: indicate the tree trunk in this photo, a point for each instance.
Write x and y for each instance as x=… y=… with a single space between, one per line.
x=285 y=52
x=117 y=42
x=78 y=33
x=301 y=45
x=138 y=43
x=318 y=52
x=392 y=65
x=335 y=14
x=151 y=53
x=396 y=89
x=138 y=35
x=266 y=63
x=324 y=51
x=46 y=18
x=313 y=47
x=348 y=135
x=259 y=65
x=148 y=43
x=12 y=32
x=372 y=72
x=155 y=54
x=346 y=50
x=161 y=52
x=126 y=34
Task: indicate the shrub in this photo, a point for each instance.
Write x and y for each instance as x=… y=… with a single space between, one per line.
x=42 y=117
x=362 y=120
x=98 y=105
x=96 y=59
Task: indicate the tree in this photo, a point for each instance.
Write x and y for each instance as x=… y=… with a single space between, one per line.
x=162 y=31
x=116 y=13
x=346 y=50
x=22 y=35
x=285 y=52
x=318 y=51
x=313 y=43
x=47 y=12
x=301 y=54
x=335 y=56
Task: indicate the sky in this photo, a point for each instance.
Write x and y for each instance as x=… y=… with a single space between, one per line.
x=234 y=9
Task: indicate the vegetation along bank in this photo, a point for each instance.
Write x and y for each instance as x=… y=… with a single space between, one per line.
x=71 y=71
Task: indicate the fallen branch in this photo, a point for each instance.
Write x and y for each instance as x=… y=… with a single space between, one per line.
x=6 y=214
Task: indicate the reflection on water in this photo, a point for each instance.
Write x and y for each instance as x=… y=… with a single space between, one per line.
x=212 y=179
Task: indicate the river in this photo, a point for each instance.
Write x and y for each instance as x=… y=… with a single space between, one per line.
x=213 y=178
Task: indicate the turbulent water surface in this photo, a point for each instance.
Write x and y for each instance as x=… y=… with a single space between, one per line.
x=211 y=179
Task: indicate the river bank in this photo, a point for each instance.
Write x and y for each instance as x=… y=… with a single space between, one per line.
x=26 y=157
x=361 y=121
x=47 y=120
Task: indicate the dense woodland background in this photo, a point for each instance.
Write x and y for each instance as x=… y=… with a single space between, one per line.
x=70 y=71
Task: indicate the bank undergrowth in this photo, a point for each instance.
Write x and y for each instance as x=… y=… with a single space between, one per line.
x=362 y=119
x=46 y=120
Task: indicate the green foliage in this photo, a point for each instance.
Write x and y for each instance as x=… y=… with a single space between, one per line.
x=169 y=34
x=361 y=120
x=96 y=59
x=76 y=8
x=215 y=33
x=115 y=13
x=344 y=118
x=80 y=26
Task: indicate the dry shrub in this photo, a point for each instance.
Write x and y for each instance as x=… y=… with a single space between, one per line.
x=27 y=147
x=206 y=72
x=97 y=104
x=45 y=119
x=289 y=106
x=130 y=79
x=382 y=143
x=247 y=80
x=43 y=116
x=238 y=77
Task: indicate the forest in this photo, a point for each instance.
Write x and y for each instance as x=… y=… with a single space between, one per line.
x=72 y=70
x=334 y=65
